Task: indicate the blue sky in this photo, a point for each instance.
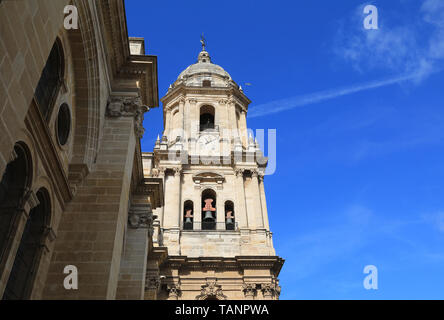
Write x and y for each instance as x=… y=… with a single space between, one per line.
x=360 y=130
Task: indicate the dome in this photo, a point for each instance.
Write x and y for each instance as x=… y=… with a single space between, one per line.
x=204 y=69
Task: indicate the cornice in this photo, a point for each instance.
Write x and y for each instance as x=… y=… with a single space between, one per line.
x=273 y=263
x=182 y=90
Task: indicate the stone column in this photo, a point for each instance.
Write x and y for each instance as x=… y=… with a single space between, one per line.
x=256 y=194
x=181 y=115
x=133 y=265
x=240 y=210
x=223 y=115
x=244 y=133
x=231 y=114
x=193 y=123
x=172 y=212
x=254 y=211
x=220 y=213
x=91 y=230
x=167 y=124
x=263 y=202
x=186 y=120
x=197 y=206
x=194 y=118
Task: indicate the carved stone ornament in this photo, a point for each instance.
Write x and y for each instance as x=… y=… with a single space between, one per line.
x=249 y=289
x=211 y=290
x=254 y=173
x=239 y=172
x=141 y=216
x=174 y=291
x=267 y=289
x=158 y=172
x=119 y=106
x=152 y=282
x=177 y=171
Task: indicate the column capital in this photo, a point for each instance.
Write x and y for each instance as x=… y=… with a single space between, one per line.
x=192 y=100
x=174 y=291
x=250 y=290
x=182 y=100
x=239 y=172
x=270 y=290
x=177 y=171
x=141 y=216
x=128 y=106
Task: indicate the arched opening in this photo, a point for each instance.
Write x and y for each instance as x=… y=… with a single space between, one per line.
x=50 y=80
x=63 y=124
x=207 y=115
x=188 y=215
x=13 y=187
x=229 y=215
x=209 y=210
x=26 y=261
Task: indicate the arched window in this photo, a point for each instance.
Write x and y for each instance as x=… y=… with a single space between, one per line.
x=207 y=115
x=24 y=270
x=229 y=215
x=50 y=80
x=209 y=210
x=13 y=186
x=188 y=215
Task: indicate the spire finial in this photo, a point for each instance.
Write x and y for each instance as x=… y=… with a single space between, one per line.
x=203 y=41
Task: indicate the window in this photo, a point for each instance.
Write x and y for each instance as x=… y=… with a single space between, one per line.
x=207 y=118
x=26 y=261
x=63 y=124
x=16 y=179
x=188 y=215
x=209 y=210
x=206 y=83
x=229 y=215
x=50 y=80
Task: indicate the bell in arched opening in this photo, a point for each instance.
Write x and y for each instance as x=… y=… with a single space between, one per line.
x=229 y=216
x=188 y=215
x=208 y=210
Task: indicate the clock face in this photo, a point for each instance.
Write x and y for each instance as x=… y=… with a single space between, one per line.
x=208 y=143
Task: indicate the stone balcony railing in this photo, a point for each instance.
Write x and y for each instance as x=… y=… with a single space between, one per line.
x=209 y=226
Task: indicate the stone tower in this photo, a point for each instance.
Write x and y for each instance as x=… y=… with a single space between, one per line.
x=214 y=221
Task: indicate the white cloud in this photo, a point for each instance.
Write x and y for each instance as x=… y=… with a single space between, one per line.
x=403 y=49
x=436 y=219
x=417 y=46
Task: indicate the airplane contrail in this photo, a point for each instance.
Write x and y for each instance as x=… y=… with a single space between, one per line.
x=299 y=101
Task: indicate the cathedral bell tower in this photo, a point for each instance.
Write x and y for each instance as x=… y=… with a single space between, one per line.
x=214 y=219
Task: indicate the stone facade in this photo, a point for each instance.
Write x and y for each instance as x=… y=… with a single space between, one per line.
x=214 y=221
x=73 y=192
